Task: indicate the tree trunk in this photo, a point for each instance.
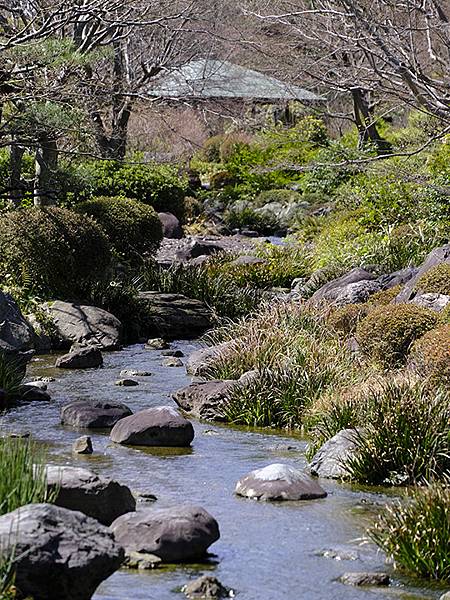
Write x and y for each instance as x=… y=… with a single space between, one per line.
x=16 y=153
x=367 y=129
x=45 y=169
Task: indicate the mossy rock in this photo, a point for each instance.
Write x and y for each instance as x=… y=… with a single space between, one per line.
x=346 y=318
x=384 y=297
x=430 y=354
x=436 y=280
x=388 y=332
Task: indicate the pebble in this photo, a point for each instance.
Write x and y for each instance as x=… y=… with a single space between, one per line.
x=172 y=362
x=206 y=588
x=362 y=579
x=134 y=373
x=126 y=382
x=157 y=344
x=175 y=353
x=83 y=445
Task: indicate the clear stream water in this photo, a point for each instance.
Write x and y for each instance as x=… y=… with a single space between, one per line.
x=267 y=551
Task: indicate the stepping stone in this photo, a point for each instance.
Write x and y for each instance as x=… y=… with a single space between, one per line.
x=93 y=415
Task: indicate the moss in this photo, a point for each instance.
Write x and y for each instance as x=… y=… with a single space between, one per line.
x=346 y=318
x=133 y=228
x=436 y=280
x=444 y=316
x=387 y=333
x=385 y=296
x=430 y=354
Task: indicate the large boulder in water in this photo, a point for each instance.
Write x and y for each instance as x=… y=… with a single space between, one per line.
x=15 y=331
x=59 y=554
x=330 y=460
x=161 y=426
x=279 y=482
x=86 y=325
x=93 y=415
x=174 y=316
x=87 y=357
x=173 y=534
x=98 y=497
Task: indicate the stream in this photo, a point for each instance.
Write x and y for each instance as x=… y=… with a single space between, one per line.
x=267 y=551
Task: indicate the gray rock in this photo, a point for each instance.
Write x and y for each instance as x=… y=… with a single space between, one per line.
x=205 y=399
x=134 y=373
x=205 y=587
x=445 y=596
x=330 y=459
x=397 y=278
x=87 y=325
x=436 y=302
x=157 y=344
x=15 y=331
x=126 y=382
x=83 y=445
x=93 y=415
x=88 y=357
x=172 y=362
x=200 y=360
x=173 y=534
x=436 y=257
x=142 y=561
x=279 y=482
x=38 y=383
x=33 y=393
x=171 y=226
x=331 y=290
x=174 y=316
x=161 y=426
x=365 y=579
x=357 y=293
x=174 y=353
x=59 y=554
x=98 y=497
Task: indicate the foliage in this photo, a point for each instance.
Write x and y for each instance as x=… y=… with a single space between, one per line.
x=11 y=377
x=436 y=280
x=51 y=251
x=161 y=186
x=384 y=297
x=387 y=333
x=406 y=435
x=7 y=577
x=415 y=532
x=282 y=196
x=430 y=354
x=346 y=318
x=217 y=289
x=23 y=477
x=134 y=229
x=247 y=218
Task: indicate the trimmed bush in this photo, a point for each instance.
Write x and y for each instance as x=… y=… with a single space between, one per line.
x=387 y=333
x=406 y=434
x=161 y=186
x=430 y=354
x=436 y=280
x=415 y=532
x=346 y=318
x=133 y=228
x=51 y=251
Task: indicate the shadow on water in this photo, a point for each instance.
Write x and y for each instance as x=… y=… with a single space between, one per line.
x=288 y=551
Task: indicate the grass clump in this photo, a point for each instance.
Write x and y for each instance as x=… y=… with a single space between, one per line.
x=387 y=333
x=11 y=377
x=436 y=280
x=430 y=354
x=23 y=477
x=415 y=532
x=133 y=228
x=406 y=435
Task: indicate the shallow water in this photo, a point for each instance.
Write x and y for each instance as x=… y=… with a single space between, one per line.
x=267 y=551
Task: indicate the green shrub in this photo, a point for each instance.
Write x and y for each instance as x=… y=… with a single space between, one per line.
x=415 y=532
x=346 y=318
x=248 y=218
x=161 y=186
x=279 y=196
x=384 y=297
x=406 y=434
x=23 y=477
x=444 y=315
x=388 y=332
x=430 y=354
x=52 y=251
x=133 y=228
x=436 y=280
